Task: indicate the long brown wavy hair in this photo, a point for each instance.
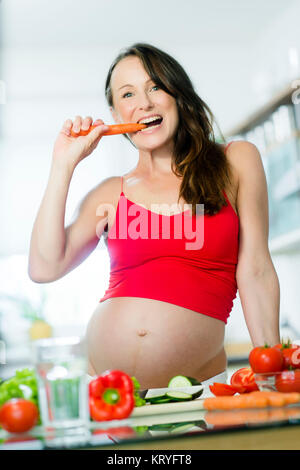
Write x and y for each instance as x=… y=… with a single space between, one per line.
x=198 y=158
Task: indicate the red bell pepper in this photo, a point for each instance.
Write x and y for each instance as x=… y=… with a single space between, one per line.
x=111 y=396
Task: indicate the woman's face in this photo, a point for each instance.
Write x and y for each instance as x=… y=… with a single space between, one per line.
x=135 y=97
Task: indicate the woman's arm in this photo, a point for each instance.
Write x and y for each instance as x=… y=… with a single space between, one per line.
x=260 y=299
x=257 y=281
x=54 y=249
x=47 y=244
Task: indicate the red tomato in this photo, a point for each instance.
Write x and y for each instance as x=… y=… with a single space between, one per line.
x=288 y=381
x=266 y=359
x=295 y=357
x=18 y=415
x=243 y=380
x=291 y=354
x=220 y=390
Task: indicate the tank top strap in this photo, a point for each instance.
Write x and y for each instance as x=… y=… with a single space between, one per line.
x=122 y=185
x=228 y=145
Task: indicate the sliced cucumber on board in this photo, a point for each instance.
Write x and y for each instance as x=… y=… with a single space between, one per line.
x=182 y=381
x=156 y=398
x=156 y=401
x=173 y=396
x=179 y=396
x=197 y=394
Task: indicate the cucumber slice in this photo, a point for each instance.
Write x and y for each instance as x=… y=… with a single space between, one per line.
x=179 y=396
x=194 y=381
x=173 y=396
x=179 y=381
x=161 y=400
x=181 y=427
x=197 y=394
x=182 y=381
x=161 y=427
x=156 y=398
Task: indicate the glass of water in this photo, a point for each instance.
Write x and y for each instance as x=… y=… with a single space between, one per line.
x=61 y=366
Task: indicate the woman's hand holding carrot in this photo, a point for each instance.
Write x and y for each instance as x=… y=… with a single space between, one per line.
x=69 y=150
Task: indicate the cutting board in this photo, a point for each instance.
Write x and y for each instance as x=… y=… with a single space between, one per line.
x=164 y=408
x=173 y=407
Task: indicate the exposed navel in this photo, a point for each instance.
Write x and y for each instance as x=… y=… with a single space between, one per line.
x=142 y=332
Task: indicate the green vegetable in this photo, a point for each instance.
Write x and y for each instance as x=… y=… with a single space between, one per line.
x=181 y=427
x=173 y=396
x=161 y=427
x=157 y=398
x=182 y=381
x=179 y=396
x=140 y=429
x=22 y=385
x=137 y=399
x=160 y=400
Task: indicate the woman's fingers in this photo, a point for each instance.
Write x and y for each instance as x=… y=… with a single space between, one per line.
x=97 y=132
x=98 y=121
x=86 y=123
x=66 y=127
x=77 y=124
x=82 y=126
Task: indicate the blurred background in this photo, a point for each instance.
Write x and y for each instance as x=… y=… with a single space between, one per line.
x=244 y=60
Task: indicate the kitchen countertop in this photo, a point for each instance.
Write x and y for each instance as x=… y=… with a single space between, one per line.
x=272 y=428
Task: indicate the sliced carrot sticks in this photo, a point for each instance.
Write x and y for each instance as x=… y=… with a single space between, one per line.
x=251 y=400
x=114 y=129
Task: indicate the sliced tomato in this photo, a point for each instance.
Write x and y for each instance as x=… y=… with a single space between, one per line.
x=291 y=354
x=219 y=389
x=243 y=380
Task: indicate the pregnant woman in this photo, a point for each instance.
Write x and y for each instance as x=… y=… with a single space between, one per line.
x=169 y=296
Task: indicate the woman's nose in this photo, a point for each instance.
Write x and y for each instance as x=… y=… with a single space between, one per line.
x=145 y=102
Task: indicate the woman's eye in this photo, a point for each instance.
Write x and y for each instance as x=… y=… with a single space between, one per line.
x=129 y=92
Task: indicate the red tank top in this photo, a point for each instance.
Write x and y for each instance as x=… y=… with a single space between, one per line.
x=154 y=256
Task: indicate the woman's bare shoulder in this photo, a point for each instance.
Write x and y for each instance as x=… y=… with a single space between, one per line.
x=238 y=152
x=107 y=190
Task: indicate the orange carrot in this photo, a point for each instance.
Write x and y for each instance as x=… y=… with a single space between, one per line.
x=280 y=399
x=220 y=403
x=273 y=398
x=250 y=400
x=257 y=399
x=114 y=129
x=292 y=397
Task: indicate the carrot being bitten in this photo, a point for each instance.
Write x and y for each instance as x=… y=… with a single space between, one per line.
x=113 y=129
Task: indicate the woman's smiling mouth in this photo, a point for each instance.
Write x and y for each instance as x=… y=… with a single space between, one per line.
x=152 y=126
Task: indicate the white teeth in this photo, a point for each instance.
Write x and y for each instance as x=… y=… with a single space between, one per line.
x=148 y=128
x=150 y=119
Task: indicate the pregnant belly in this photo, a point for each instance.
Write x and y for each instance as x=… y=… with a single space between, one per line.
x=154 y=340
